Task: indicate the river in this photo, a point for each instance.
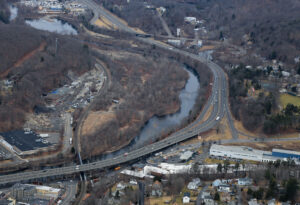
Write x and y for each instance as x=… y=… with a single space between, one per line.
x=52 y=25
x=157 y=126
x=13 y=12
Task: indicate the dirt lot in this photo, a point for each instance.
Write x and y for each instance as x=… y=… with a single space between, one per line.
x=95 y=120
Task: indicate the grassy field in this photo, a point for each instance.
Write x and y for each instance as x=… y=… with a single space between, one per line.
x=286 y=98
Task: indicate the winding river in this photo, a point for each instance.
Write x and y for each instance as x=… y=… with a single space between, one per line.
x=158 y=126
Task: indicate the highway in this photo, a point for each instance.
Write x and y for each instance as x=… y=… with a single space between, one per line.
x=218 y=100
x=70 y=193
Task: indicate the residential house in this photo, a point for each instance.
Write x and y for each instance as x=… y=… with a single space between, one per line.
x=192 y=20
x=272 y=202
x=224 y=188
x=253 y=202
x=208 y=200
x=285 y=74
x=121 y=186
x=205 y=194
x=186 y=198
x=245 y=181
x=133 y=182
x=225 y=197
x=216 y=183
x=156 y=189
x=193 y=185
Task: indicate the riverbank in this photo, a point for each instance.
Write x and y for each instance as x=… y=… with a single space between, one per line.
x=194 y=111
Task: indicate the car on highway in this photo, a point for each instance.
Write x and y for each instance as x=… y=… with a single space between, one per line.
x=218 y=118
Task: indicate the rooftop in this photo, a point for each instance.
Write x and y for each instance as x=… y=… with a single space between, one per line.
x=242 y=149
x=186 y=155
x=286 y=151
x=47 y=188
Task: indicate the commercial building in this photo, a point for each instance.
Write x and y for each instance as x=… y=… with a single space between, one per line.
x=29 y=192
x=241 y=152
x=46 y=192
x=23 y=192
x=248 y=153
x=285 y=153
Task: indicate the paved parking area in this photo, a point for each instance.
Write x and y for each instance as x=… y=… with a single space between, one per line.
x=22 y=141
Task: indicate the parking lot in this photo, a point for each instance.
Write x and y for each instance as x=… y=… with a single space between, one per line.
x=24 y=142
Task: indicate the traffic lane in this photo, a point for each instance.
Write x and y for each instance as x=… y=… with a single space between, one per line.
x=133 y=155
x=159 y=146
x=97 y=8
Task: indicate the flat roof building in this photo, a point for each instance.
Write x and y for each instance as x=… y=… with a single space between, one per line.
x=241 y=152
x=26 y=192
x=285 y=153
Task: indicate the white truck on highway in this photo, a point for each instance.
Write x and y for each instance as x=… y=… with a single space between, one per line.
x=218 y=118
x=71 y=140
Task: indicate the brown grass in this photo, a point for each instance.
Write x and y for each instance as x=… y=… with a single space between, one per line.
x=213 y=135
x=208 y=47
x=207 y=114
x=23 y=59
x=223 y=133
x=103 y=22
x=95 y=120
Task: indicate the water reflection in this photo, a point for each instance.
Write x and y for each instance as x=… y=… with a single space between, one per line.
x=52 y=25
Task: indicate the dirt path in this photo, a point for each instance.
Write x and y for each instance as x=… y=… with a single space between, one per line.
x=23 y=59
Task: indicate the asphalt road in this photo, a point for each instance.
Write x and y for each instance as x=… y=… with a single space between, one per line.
x=218 y=99
x=70 y=193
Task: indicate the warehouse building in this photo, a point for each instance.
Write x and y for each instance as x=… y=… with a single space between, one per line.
x=242 y=153
x=285 y=153
x=27 y=192
x=248 y=153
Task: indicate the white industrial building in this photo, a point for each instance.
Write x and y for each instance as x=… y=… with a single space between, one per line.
x=241 y=152
x=163 y=169
x=174 y=42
